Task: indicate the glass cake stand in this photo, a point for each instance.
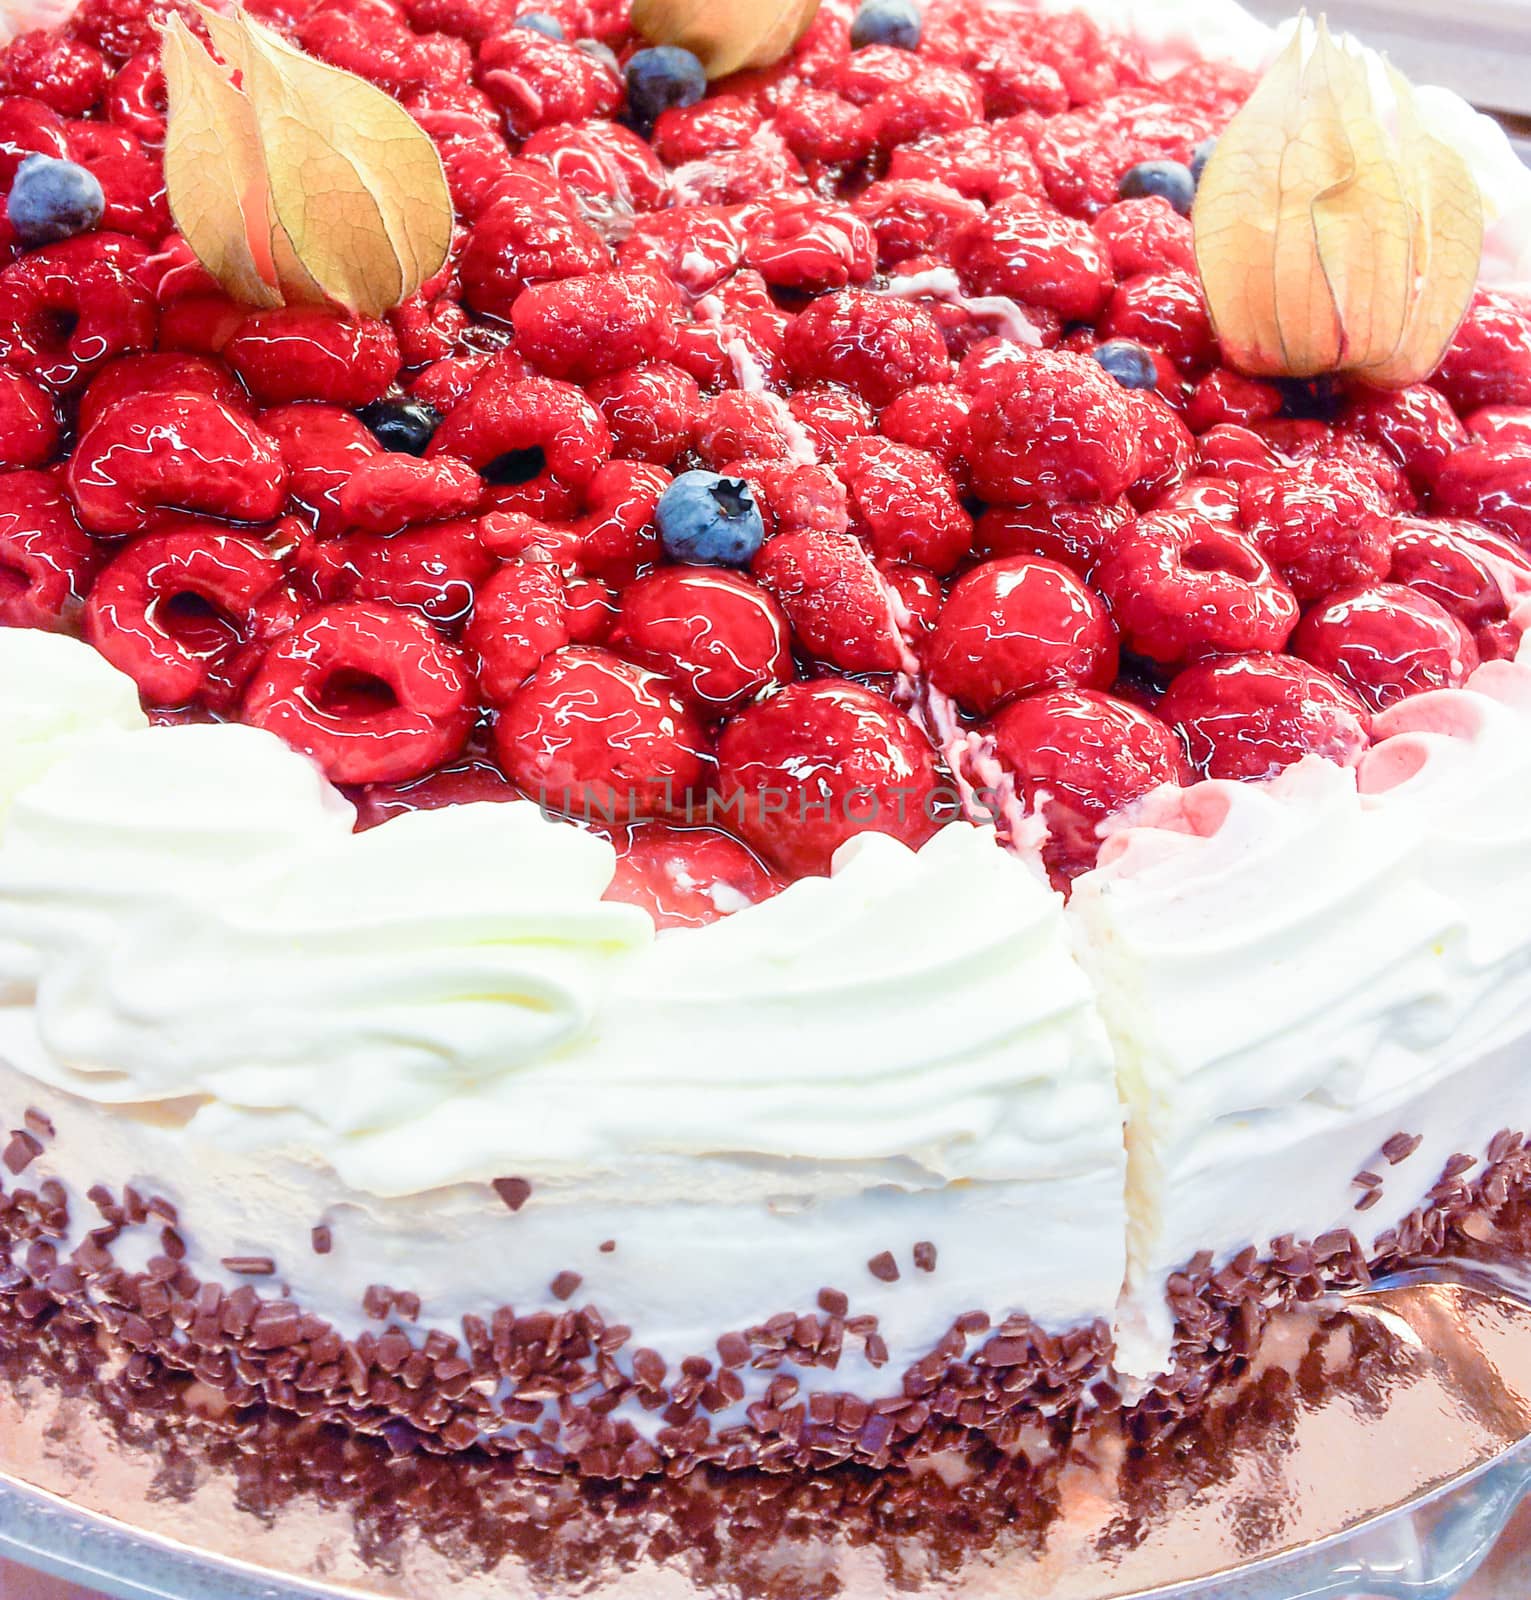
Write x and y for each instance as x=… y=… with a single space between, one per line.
x=1377 y=1447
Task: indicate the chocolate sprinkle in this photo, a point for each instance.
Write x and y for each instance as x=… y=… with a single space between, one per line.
x=925 y=1256
x=515 y=1192
x=884 y=1267
x=321 y=1239
x=39 y=1123
x=564 y=1285
x=1401 y=1146
x=249 y=1266
x=21 y=1152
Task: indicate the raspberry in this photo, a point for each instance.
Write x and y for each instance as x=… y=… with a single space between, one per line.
x=599 y=738
x=1489 y=362
x=1036 y=257
x=178 y=611
x=123 y=28
x=1181 y=587
x=473 y=20
x=1146 y=236
x=764 y=167
x=1078 y=758
x=903 y=505
x=427 y=330
x=1060 y=430
x=795 y=499
x=136 y=100
x=718 y=637
x=200 y=324
x=692 y=133
x=528 y=236
x=321 y=446
x=592 y=609
x=46 y=559
x=1415 y=426
x=138 y=377
x=1474 y=574
x=737 y=426
x=1385 y=643
x=477 y=165
x=811 y=247
x=918 y=598
x=538 y=81
x=819 y=763
x=865 y=76
x=1015 y=626
x=932 y=417
x=519 y=618
x=1084 y=153
x=1501 y=424
x=617 y=537
x=1252 y=716
x=1214 y=499
x=935 y=100
x=1075 y=535
x=386 y=493
x=838 y=606
x=912 y=218
x=1235 y=453
x=589 y=327
x=1169 y=453
x=981 y=162
x=380 y=49
x=29 y=429
x=832 y=417
x=28 y=127
x=1166 y=312
x=652 y=410
x=69 y=308
x=1012 y=79
x=687 y=877
x=696 y=247
x=601 y=161
x=372 y=693
x=309 y=354
x=432 y=569
x=66 y=75
x=1490 y=483
x=1322 y=526
x=1224 y=396
x=539 y=437
x=872 y=344
x=824 y=129
x=176 y=452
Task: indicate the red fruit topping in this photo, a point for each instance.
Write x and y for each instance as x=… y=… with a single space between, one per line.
x=833 y=418
x=1164 y=311
x=46 y=559
x=1168 y=450
x=718 y=637
x=1035 y=256
x=838 y=604
x=651 y=410
x=521 y=615
x=1224 y=396
x=175 y=452
x=600 y=739
x=138 y=377
x=1476 y=575
x=697 y=247
x=617 y=538
x=687 y=877
x=1385 y=643
x=1501 y=424
x=737 y=426
x=1014 y=626
x=539 y=81
x=1415 y=426
x=179 y=611
x=1181 y=586
x=1078 y=758
x=387 y=492
x=321 y=447
x=1489 y=362
x=588 y=327
x=28 y=127
x=1056 y=429
x=1084 y=153
x=1254 y=715
x=1143 y=236
x=932 y=417
x=433 y=570
x=904 y=506
x=601 y=161
x=201 y=323
x=934 y=100
x=872 y=343
x=825 y=129
x=530 y=235
x=1076 y=535
x=1323 y=526
x=692 y=133
x=918 y=598
x=811 y=247
x=983 y=162
x=819 y=763
x=372 y=693
x=66 y=75
x=136 y=100
x=914 y=218
x=306 y=354
x=592 y=609
x=29 y=431
x=1491 y=483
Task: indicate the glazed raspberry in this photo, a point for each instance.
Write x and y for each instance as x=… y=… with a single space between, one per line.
x=1022 y=250
x=911 y=218
x=983 y=162
x=372 y=693
x=873 y=344
x=1060 y=430
x=601 y=161
x=1224 y=396
x=1078 y=758
x=1012 y=627
x=1074 y=534
x=692 y=133
x=46 y=559
x=378 y=47
x=737 y=426
x=599 y=738
x=917 y=598
x=179 y=611
x=1181 y=587
x=133 y=190
x=443 y=384
x=1166 y=312
x=538 y=81
x=717 y=636
x=1321 y=525
x=824 y=129
x=866 y=75
x=932 y=417
x=519 y=617
x=653 y=411
x=427 y=330
x=1168 y=451
x=832 y=417
x=1500 y=424
x=433 y=569
x=320 y=446
x=529 y=235
x=592 y=609
x=473 y=157
x=538 y=437
x=388 y=492
x=29 y=430
x=1385 y=643
x=302 y=353
x=811 y=247
x=1491 y=483
x=935 y=100
x=28 y=127
x=1474 y=574
x=136 y=99
x=1254 y=715
x=1214 y=499
x=836 y=601
x=903 y=505
x=795 y=499
x=617 y=536
x=68 y=76
x=68 y=309
x=695 y=247
x=178 y=452
x=200 y=324
x=1415 y=426
x=819 y=763
x=687 y=877
x=1489 y=362
x=589 y=327
x=1236 y=453
x=1084 y=153
x=1145 y=236
x=138 y=377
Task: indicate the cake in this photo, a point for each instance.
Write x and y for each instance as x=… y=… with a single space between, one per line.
x=761 y=814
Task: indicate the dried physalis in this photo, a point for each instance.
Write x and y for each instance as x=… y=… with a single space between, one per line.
x=726 y=35
x=297 y=183
x=1334 y=232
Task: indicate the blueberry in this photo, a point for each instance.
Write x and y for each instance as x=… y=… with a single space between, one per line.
x=52 y=199
x=1171 y=180
x=403 y=426
x=540 y=22
x=894 y=22
x=1130 y=364
x=1200 y=156
x=706 y=518
x=661 y=78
